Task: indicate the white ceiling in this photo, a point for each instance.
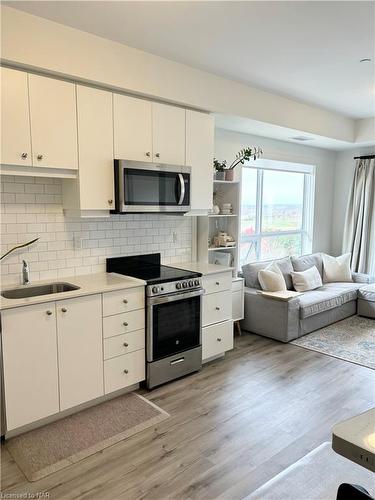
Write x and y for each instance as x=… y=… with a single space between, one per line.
x=308 y=51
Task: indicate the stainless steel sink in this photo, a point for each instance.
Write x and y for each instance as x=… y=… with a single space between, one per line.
x=34 y=291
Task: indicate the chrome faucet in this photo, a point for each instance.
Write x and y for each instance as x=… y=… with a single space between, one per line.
x=25 y=273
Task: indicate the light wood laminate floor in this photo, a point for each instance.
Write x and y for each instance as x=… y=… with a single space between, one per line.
x=233 y=426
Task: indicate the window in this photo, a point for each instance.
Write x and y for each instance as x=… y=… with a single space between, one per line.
x=276 y=210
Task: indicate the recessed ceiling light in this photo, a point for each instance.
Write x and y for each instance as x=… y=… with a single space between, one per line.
x=302 y=138
x=366 y=59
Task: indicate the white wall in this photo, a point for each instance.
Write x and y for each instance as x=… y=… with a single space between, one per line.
x=32 y=207
x=228 y=143
x=344 y=172
x=37 y=43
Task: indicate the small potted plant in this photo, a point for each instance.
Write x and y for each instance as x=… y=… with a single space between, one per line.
x=222 y=171
x=219 y=169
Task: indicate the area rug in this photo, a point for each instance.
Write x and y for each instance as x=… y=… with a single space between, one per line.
x=352 y=339
x=316 y=476
x=55 y=446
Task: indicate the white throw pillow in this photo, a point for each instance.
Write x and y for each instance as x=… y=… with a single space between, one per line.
x=271 y=279
x=336 y=269
x=306 y=280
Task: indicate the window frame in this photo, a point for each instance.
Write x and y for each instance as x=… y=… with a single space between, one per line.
x=306 y=230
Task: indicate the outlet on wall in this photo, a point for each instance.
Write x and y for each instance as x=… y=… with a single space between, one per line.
x=174 y=237
x=77 y=241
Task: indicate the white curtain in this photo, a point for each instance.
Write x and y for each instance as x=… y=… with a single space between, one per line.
x=359 y=231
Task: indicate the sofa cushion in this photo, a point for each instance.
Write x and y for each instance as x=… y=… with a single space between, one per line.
x=337 y=268
x=271 y=278
x=304 y=281
x=327 y=297
x=306 y=261
x=367 y=293
x=250 y=272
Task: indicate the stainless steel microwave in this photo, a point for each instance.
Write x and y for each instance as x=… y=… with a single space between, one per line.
x=151 y=187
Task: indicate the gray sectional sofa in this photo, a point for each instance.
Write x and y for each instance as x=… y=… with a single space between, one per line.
x=288 y=320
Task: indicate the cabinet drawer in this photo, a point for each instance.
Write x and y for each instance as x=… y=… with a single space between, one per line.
x=123 y=344
x=216 y=307
x=124 y=370
x=216 y=339
x=217 y=282
x=123 y=323
x=123 y=301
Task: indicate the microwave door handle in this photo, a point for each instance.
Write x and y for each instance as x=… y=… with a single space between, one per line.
x=182 y=189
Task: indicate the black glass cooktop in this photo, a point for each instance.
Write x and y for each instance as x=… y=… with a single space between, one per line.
x=147 y=268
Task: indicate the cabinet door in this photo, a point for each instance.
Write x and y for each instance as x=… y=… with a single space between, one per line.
x=199 y=156
x=79 y=334
x=15 y=118
x=132 y=128
x=30 y=363
x=53 y=122
x=168 y=129
x=95 y=148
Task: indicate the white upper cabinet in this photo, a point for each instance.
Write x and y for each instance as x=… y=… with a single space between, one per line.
x=95 y=148
x=168 y=130
x=132 y=128
x=30 y=363
x=15 y=118
x=53 y=122
x=80 y=352
x=199 y=156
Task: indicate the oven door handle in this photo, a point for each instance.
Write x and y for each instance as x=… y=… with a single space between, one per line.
x=182 y=189
x=152 y=301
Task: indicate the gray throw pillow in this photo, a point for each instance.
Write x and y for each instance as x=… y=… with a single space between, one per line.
x=250 y=272
x=306 y=261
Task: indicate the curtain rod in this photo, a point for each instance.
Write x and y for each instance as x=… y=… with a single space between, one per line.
x=369 y=157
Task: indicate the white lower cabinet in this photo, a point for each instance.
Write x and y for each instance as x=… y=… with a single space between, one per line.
x=123 y=371
x=217 y=339
x=30 y=364
x=80 y=351
x=53 y=357
x=217 y=331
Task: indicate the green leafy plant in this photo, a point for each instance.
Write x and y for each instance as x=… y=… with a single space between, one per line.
x=245 y=155
x=220 y=166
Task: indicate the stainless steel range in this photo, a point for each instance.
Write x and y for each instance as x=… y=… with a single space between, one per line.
x=173 y=316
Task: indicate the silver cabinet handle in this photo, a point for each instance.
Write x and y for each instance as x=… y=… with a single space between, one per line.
x=218 y=339
x=157 y=155
x=125 y=323
x=148 y=153
x=125 y=301
x=110 y=202
x=126 y=371
x=217 y=308
x=64 y=309
x=24 y=156
x=49 y=313
x=39 y=157
x=126 y=344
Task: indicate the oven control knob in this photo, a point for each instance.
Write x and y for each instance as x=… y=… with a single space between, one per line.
x=184 y=284
x=178 y=286
x=155 y=289
x=196 y=282
x=191 y=283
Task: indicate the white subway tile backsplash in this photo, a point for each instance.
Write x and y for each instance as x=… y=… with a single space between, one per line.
x=32 y=207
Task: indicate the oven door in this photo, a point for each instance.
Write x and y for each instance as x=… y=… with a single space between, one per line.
x=153 y=188
x=174 y=324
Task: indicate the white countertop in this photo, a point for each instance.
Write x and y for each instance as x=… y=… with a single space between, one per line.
x=355 y=437
x=88 y=285
x=204 y=267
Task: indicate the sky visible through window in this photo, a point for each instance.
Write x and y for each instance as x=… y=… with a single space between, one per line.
x=280 y=200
